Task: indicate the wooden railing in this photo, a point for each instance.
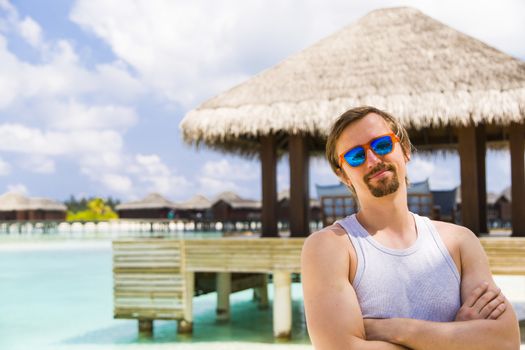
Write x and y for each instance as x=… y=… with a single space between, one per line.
x=244 y=254
x=149 y=282
x=506 y=255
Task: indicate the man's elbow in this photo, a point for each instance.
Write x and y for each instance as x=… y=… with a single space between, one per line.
x=511 y=344
x=331 y=343
x=510 y=338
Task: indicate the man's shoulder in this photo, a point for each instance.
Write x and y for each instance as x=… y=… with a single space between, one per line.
x=448 y=230
x=326 y=240
x=326 y=250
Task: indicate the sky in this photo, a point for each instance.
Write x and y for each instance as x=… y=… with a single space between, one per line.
x=92 y=91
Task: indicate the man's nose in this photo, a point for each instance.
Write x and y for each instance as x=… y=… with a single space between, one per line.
x=372 y=158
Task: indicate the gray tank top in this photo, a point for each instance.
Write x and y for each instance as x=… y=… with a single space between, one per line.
x=420 y=282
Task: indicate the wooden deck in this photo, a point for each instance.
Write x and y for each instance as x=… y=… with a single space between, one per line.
x=155 y=278
x=506 y=255
x=265 y=255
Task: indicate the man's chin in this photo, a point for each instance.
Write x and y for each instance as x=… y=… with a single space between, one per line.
x=385 y=188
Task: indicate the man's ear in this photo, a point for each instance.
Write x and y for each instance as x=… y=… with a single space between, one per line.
x=407 y=156
x=343 y=177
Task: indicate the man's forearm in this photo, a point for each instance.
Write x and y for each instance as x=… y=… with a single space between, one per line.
x=475 y=334
x=377 y=345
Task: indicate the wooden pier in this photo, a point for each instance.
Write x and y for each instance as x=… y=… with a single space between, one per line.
x=155 y=278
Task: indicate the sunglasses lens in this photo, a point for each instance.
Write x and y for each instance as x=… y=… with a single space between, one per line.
x=356 y=156
x=382 y=145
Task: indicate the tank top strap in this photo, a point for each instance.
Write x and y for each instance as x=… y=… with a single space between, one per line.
x=357 y=239
x=436 y=238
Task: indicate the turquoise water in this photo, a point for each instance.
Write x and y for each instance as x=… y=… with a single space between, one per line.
x=54 y=297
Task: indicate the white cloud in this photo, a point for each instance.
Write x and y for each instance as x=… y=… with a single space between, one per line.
x=210 y=46
x=23 y=139
x=237 y=175
x=211 y=187
x=77 y=116
x=39 y=164
x=133 y=176
x=151 y=170
x=18 y=188
x=62 y=76
x=117 y=183
x=5 y=168
x=109 y=161
x=237 y=171
x=6 y=5
x=31 y=31
x=321 y=173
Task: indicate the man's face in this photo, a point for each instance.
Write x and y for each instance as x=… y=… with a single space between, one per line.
x=378 y=175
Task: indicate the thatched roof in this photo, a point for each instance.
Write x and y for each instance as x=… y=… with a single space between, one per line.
x=506 y=194
x=398 y=59
x=237 y=202
x=151 y=201
x=492 y=198
x=197 y=202
x=15 y=201
x=284 y=195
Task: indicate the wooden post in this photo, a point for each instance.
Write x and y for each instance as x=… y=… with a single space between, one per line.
x=269 y=186
x=517 y=166
x=282 y=305
x=262 y=293
x=145 y=327
x=186 y=324
x=472 y=151
x=299 y=186
x=223 y=295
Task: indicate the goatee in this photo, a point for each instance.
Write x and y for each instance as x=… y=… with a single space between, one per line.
x=385 y=185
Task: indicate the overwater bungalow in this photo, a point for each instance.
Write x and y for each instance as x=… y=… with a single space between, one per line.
x=231 y=210
x=196 y=209
x=17 y=207
x=283 y=205
x=500 y=209
x=153 y=206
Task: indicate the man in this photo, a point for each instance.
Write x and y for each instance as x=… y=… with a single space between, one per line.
x=385 y=278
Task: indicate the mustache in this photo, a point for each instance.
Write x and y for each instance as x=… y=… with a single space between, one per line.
x=379 y=167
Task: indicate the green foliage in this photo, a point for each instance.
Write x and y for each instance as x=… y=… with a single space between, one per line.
x=75 y=205
x=96 y=210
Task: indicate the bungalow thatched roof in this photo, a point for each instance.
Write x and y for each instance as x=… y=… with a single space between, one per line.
x=151 y=201
x=197 y=202
x=235 y=201
x=15 y=201
x=398 y=59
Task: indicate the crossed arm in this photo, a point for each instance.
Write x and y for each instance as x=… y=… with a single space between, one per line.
x=335 y=320
x=333 y=314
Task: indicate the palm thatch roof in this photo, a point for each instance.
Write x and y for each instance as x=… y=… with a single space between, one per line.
x=197 y=202
x=235 y=201
x=151 y=201
x=11 y=201
x=397 y=59
x=284 y=195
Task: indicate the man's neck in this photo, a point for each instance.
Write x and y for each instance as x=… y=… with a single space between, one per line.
x=388 y=214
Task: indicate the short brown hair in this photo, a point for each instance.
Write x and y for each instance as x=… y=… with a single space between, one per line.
x=353 y=115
